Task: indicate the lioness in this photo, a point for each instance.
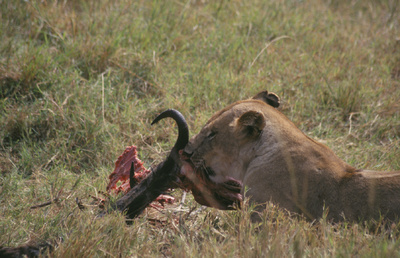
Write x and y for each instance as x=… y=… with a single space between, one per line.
x=252 y=145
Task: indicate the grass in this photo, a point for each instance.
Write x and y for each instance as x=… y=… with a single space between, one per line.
x=79 y=81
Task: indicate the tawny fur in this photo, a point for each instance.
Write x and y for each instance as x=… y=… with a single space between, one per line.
x=254 y=143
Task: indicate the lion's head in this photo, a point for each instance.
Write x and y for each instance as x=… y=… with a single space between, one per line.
x=221 y=152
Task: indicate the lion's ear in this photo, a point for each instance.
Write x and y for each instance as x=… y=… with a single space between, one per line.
x=250 y=124
x=268 y=97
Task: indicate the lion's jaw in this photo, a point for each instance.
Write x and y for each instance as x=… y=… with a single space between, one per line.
x=223 y=195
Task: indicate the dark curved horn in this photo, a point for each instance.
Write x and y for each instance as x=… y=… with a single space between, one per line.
x=183 y=130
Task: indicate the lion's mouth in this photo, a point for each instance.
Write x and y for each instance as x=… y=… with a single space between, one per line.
x=225 y=196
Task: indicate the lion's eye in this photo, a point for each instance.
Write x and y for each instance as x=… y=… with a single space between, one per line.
x=211 y=135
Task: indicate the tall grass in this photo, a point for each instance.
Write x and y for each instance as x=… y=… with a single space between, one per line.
x=79 y=81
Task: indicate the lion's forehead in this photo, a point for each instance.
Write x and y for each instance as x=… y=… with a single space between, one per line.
x=223 y=124
x=235 y=110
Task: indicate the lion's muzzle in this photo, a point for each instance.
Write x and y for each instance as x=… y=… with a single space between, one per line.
x=225 y=196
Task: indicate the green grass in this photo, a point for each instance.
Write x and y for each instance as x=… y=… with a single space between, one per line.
x=80 y=80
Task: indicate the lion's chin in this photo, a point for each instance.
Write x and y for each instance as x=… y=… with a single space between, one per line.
x=225 y=195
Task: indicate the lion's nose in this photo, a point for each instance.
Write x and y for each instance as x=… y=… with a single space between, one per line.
x=187 y=151
x=187 y=154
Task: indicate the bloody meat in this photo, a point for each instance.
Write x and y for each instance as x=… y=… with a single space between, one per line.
x=122 y=170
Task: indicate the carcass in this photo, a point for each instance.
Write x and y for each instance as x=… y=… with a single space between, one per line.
x=160 y=179
x=168 y=174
